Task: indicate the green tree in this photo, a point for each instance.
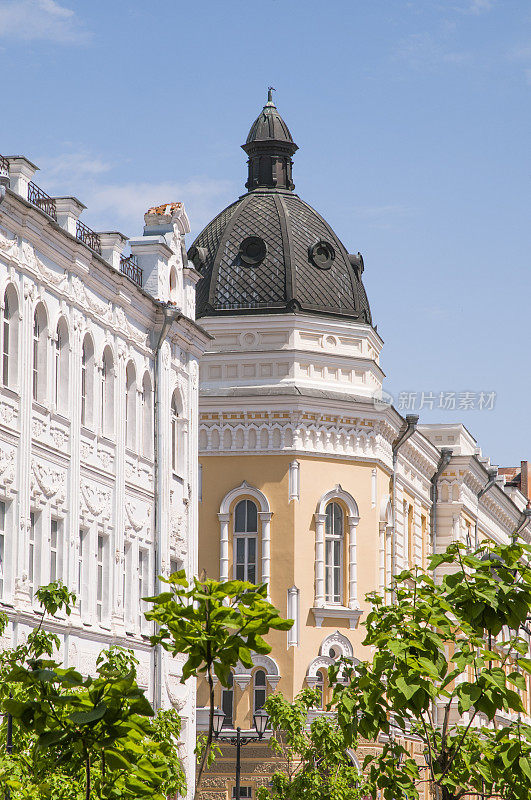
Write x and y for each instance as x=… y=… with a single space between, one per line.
x=450 y=657
x=315 y=761
x=81 y=737
x=215 y=625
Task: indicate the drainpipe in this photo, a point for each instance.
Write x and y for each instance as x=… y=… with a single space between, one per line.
x=444 y=460
x=170 y=315
x=492 y=473
x=407 y=430
x=525 y=518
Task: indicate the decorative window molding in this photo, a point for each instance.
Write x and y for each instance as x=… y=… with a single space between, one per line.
x=245 y=490
x=386 y=541
x=352 y=519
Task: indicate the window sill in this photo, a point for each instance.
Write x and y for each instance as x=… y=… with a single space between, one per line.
x=352 y=615
x=12 y=392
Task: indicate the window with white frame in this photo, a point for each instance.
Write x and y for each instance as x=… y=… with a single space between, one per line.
x=320 y=687
x=81 y=558
x=107 y=393
x=61 y=366
x=174 y=432
x=130 y=406
x=227 y=702
x=87 y=381
x=143 y=588
x=33 y=555
x=100 y=575
x=245 y=541
x=334 y=544
x=10 y=338
x=40 y=353
x=147 y=417
x=56 y=551
x=126 y=583
x=2 y=546
x=246 y=792
x=259 y=690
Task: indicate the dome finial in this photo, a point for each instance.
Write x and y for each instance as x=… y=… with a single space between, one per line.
x=270 y=90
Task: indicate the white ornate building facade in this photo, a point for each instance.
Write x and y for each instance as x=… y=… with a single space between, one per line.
x=98 y=424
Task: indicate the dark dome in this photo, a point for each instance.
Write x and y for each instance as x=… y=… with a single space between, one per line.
x=270 y=251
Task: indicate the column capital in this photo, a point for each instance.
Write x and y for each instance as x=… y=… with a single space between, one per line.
x=320 y=518
x=265 y=516
x=224 y=517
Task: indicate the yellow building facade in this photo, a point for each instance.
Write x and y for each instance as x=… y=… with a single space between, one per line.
x=311 y=482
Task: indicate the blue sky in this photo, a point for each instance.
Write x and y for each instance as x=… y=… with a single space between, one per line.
x=413 y=122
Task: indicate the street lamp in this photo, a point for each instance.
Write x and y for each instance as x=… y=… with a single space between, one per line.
x=260 y=720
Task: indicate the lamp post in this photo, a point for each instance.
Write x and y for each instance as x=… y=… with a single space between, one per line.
x=260 y=720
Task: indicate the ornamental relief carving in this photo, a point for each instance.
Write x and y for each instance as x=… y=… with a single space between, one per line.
x=90 y=300
x=8 y=414
x=7 y=466
x=96 y=499
x=137 y=516
x=48 y=481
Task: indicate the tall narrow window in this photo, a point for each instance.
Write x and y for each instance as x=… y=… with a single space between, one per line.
x=107 y=393
x=173 y=285
x=55 y=551
x=259 y=690
x=142 y=586
x=10 y=338
x=32 y=554
x=100 y=563
x=334 y=553
x=320 y=686
x=40 y=353
x=147 y=417
x=62 y=359
x=245 y=541
x=130 y=406
x=410 y=537
x=2 y=546
x=126 y=583
x=81 y=569
x=174 y=432
x=227 y=702
x=87 y=381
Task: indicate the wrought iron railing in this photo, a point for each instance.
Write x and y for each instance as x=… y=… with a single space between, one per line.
x=4 y=166
x=41 y=200
x=88 y=237
x=129 y=266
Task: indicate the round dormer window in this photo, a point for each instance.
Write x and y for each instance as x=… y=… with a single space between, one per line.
x=321 y=254
x=253 y=250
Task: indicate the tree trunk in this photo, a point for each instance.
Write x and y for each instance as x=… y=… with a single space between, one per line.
x=87 y=776
x=209 y=737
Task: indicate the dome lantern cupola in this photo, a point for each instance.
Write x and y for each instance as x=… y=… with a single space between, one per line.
x=270 y=252
x=270 y=147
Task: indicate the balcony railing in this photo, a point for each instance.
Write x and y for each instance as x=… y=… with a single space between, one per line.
x=88 y=237
x=4 y=166
x=129 y=266
x=41 y=200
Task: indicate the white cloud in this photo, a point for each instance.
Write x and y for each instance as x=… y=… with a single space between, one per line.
x=45 y=20
x=112 y=204
x=124 y=205
x=421 y=50
x=479 y=6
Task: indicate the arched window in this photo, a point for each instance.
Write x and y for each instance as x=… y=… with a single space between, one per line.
x=259 y=695
x=10 y=338
x=107 y=393
x=147 y=417
x=40 y=353
x=62 y=365
x=227 y=702
x=334 y=530
x=320 y=686
x=245 y=541
x=87 y=381
x=130 y=405
x=173 y=285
